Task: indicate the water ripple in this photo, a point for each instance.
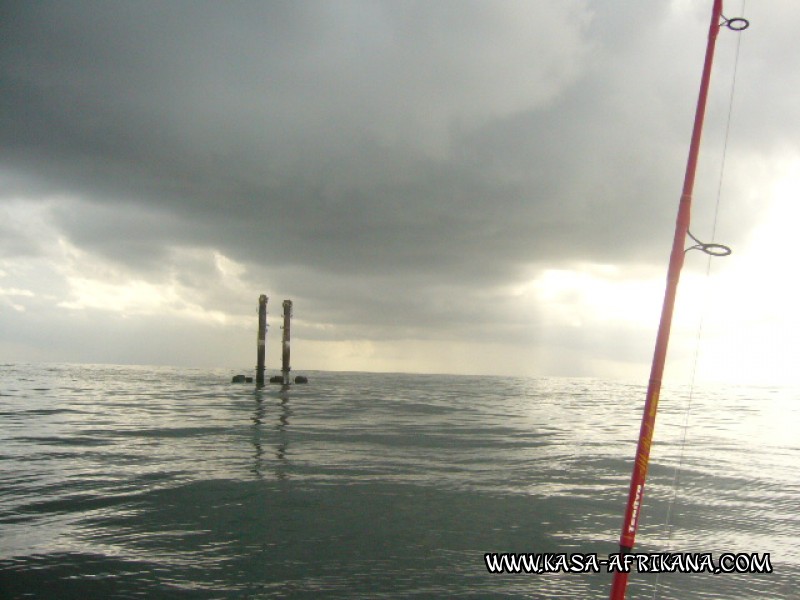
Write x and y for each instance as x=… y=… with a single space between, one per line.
x=146 y=482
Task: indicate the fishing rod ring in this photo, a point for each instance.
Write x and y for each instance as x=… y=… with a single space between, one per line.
x=712 y=249
x=735 y=24
x=716 y=250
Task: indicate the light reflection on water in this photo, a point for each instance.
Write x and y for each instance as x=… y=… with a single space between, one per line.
x=148 y=482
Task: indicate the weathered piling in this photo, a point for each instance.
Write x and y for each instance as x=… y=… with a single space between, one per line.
x=287 y=316
x=262 y=338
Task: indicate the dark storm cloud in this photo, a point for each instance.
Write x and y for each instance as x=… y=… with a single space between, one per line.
x=291 y=131
x=386 y=152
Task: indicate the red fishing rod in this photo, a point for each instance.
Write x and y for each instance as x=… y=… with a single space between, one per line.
x=636 y=493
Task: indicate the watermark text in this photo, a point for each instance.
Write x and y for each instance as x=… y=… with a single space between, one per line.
x=658 y=562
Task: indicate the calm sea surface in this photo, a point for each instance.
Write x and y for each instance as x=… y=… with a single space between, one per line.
x=141 y=482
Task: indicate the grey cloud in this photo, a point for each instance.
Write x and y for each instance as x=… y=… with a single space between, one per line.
x=390 y=164
x=316 y=122
x=15 y=243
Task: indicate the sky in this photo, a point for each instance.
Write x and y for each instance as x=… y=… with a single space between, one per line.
x=450 y=187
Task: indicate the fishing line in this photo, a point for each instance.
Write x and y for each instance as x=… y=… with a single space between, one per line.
x=713 y=250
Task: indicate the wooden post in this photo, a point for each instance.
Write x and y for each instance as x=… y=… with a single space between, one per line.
x=287 y=315
x=262 y=339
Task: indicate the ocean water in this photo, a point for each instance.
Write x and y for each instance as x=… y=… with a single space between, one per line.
x=142 y=482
